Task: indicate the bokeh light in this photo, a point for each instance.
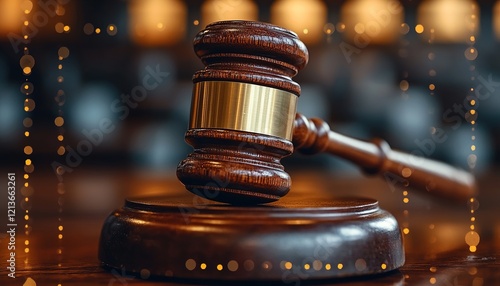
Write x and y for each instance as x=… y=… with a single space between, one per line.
x=452 y=20
x=216 y=10
x=305 y=17
x=157 y=22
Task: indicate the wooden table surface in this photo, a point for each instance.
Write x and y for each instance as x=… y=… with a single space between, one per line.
x=436 y=252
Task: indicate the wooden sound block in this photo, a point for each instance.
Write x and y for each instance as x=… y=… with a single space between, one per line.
x=294 y=239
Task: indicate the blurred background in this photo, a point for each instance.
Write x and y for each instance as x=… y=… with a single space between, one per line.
x=108 y=83
x=95 y=98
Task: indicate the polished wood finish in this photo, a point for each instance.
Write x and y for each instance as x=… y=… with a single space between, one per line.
x=235 y=167
x=229 y=165
x=176 y=236
x=250 y=52
x=239 y=167
x=438 y=254
x=314 y=135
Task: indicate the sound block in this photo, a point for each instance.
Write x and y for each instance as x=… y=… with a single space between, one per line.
x=188 y=237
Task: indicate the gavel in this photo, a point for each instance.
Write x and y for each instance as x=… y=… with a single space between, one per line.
x=243 y=122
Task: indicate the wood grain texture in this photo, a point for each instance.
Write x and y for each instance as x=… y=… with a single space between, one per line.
x=220 y=242
x=251 y=52
x=235 y=167
x=224 y=169
x=314 y=136
x=232 y=166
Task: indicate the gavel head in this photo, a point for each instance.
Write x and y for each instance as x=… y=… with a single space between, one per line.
x=242 y=112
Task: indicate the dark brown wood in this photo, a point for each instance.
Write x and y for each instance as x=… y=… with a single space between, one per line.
x=232 y=166
x=432 y=254
x=250 y=52
x=244 y=168
x=235 y=167
x=289 y=241
x=314 y=135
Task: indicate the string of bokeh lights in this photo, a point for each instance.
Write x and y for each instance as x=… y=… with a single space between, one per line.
x=27 y=63
x=472 y=237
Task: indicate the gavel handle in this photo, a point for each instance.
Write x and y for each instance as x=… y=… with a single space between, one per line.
x=314 y=135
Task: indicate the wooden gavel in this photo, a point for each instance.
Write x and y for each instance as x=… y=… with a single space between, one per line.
x=243 y=122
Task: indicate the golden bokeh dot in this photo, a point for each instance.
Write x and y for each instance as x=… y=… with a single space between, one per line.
x=63 y=52
x=196 y=22
x=472 y=238
x=328 y=266
x=329 y=28
x=97 y=30
x=203 y=266
x=419 y=28
x=27 y=162
x=383 y=266
x=61 y=150
x=232 y=265
x=26 y=6
x=28 y=150
x=307 y=266
x=473 y=147
x=432 y=280
x=432 y=86
x=60 y=137
x=288 y=265
x=59 y=27
x=406 y=230
x=190 y=264
x=59 y=121
x=317 y=265
x=359 y=28
x=406 y=172
x=220 y=267
x=472 y=248
x=340 y=266
x=29 y=105
x=66 y=28
x=112 y=30
x=471 y=53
